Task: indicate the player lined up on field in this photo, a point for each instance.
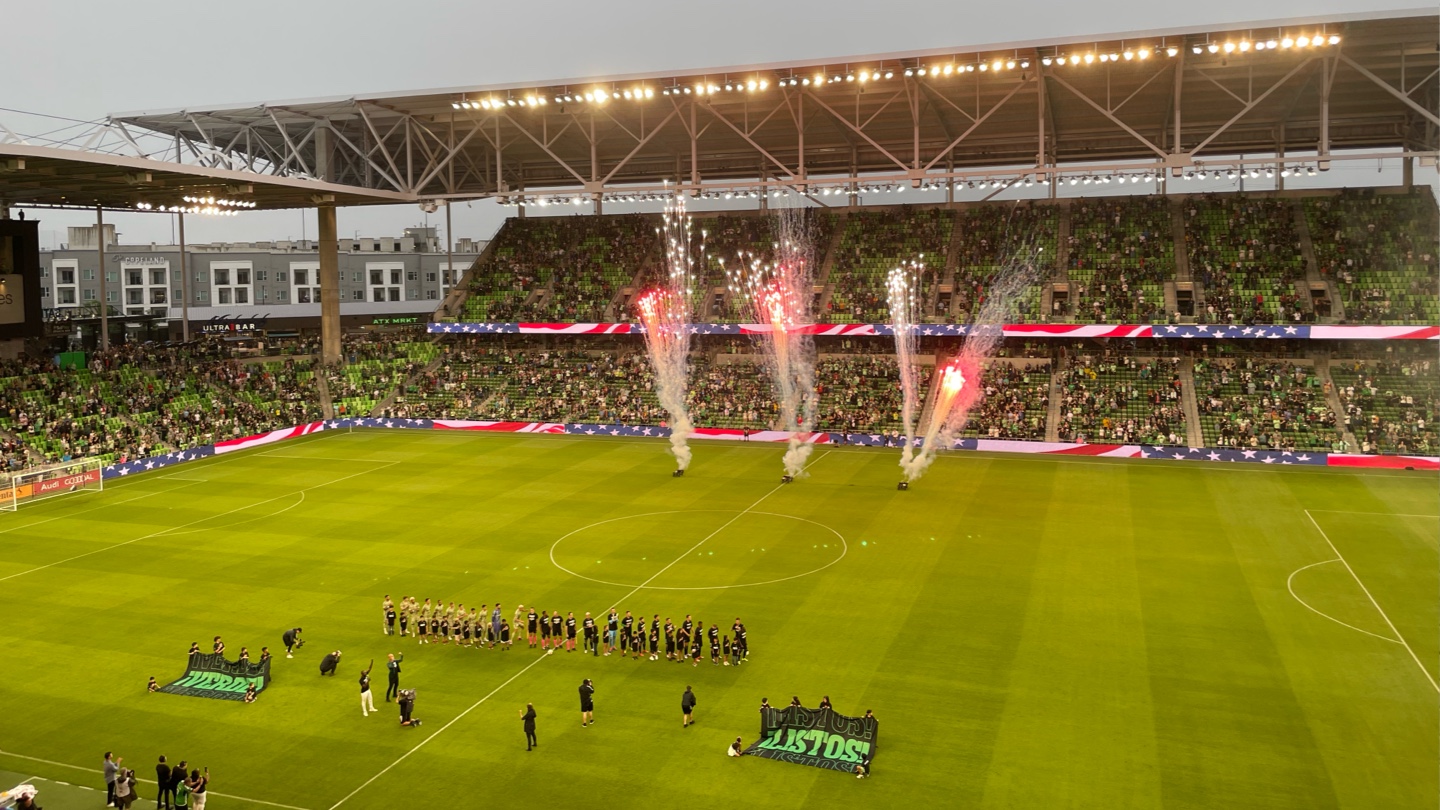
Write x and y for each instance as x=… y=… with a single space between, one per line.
x=487 y=628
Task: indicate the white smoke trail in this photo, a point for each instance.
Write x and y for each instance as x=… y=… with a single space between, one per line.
x=665 y=312
x=778 y=294
x=902 y=290
x=959 y=388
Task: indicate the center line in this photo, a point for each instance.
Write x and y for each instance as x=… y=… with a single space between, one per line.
x=532 y=664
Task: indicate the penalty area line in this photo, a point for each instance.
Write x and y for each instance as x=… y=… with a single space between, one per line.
x=146 y=781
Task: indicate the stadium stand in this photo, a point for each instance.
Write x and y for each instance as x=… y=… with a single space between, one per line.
x=1122 y=400
x=874 y=242
x=1016 y=403
x=561 y=268
x=1390 y=406
x=989 y=236
x=859 y=394
x=1121 y=254
x=1380 y=251
x=1246 y=253
x=1258 y=404
x=724 y=238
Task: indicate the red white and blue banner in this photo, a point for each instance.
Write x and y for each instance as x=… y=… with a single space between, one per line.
x=1140 y=451
x=1020 y=330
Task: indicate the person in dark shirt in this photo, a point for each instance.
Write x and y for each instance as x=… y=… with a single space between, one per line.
x=367 y=698
x=725 y=649
x=505 y=634
x=592 y=635
x=570 y=632
x=528 y=716
x=669 y=640
x=655 y=638
x=165 y=796
x=177 y=775
x=557 y=629
x=244 y=655
x=713 y=634
x=392 y=671
x=687 y=708
x=627 y=632
x=330 y=663
x=219 y=646
x=544 y=630
x=264 y=654
x=612 y=629
x=292 y=640
x=531 y=628
x=825 y=703
x=194 y=648
x=587 y=703
x=695 y=649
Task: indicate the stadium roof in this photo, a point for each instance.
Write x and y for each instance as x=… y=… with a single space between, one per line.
x=67 y=178
x=1152 y=101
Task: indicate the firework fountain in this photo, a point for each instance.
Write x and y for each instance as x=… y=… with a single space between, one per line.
x=902 y=289
x=959 y=387
x=665 y=313
x=777 y=294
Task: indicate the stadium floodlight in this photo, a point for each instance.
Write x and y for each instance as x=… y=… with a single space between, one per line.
x=1334 y=39
x=1172 y=51
x=1287 y=42
x=1244 y=45
x=1143 y=53
x=1046 y=61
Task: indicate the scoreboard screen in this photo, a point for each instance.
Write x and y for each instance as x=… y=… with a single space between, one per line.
x=20 y=313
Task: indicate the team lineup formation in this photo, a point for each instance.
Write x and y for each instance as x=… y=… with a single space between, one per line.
x=487 y=628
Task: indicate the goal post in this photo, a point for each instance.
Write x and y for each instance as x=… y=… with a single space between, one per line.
x=49 y=481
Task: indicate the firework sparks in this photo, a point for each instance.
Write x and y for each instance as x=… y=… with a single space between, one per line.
x=665 y=314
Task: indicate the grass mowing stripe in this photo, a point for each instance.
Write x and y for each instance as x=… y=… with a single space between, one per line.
x=1371 y=597
x=138 y=779
x=191 y=523
x=532 y=664
x=94 y=508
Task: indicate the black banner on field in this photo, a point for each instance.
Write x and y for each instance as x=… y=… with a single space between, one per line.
x=211 y=676
x=816 y=737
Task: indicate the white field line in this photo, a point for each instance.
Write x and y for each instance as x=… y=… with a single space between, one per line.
x=1289 y=585
x=162 y=532
x=147 y=781
x=242 y=522
x=94 y=508
x=532 y=664
x=1383 y=514
x=1371 y=597
x=320 y=458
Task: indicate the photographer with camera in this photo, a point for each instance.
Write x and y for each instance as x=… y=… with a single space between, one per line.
x=407 y=705
x=292 y=641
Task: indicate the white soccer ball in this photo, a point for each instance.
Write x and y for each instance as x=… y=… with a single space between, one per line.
x=549 y=652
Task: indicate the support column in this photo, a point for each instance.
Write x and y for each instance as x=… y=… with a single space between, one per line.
x=184 y=283
x=104 y=305
x=1407 y=169
x=329 y=286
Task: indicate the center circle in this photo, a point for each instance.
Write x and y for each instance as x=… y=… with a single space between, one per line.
x=694 y=547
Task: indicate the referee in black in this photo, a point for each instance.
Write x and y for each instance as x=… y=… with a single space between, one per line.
x=392 y=669
x=528 y=716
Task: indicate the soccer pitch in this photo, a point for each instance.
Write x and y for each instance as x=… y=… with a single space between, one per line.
x=1030 y=631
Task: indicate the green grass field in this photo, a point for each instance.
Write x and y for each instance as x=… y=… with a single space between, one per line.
x=1031 y=632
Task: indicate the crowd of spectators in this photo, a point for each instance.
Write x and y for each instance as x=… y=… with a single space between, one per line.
x=1380 y=250
x=999 y=239
x=1120 y=254
x=562 y=268
x=1246 y=253
x=1259 y=404
x=861 y=394
x=1390 y=406
x=377 y=363
x=1124 y=400
x=1016 y=403
x=875 y=242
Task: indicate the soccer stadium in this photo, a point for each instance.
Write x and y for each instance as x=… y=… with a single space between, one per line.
x=1066 y=407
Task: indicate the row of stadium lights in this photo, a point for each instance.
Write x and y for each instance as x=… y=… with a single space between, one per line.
x=205 y=206
x=929 y=185
x=705 y=87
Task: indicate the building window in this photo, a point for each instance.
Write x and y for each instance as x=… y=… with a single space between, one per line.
x=202 y=296
x=397 y=247
x=178 y=294
x=395 y=276
x=157 y=278
x=134 y=296
x=395 y=294
x=260 y=275
x=283 y=296
x=379 y=295
x=222 y=296
x=89 y=295
x=222 y=276
x=282 y=275
x=242 y=275
x=358 y=276
x=302 y=295
x=412 y=275
x=88 y=274
x=377 y=277
x=157 y=296
x=66 y=296
x=112 y=297
x=431 y=295
x=67 y=276
x=302 y=275
x=134 y=278
x=112 y=276
x=430 y=276
x=242 y=295
x=357 y=295
x=44 y=271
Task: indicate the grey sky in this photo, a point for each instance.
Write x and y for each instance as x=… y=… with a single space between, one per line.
x=85 y=58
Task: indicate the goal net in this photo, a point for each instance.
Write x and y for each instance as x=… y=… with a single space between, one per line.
x=49 y=481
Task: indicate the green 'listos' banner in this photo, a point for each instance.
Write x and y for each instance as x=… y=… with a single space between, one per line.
x=211 y=676
x=816 y=737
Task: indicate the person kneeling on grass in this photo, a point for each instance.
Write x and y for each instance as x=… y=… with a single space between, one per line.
x=250 y=692
x=330 y=663
x=736 y=748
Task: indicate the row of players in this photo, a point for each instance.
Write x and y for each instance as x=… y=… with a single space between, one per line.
x=627 y=635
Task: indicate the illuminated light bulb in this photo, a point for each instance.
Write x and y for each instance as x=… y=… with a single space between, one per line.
x=1172 y=51
x=806 y=82
x=1271 y=44
x=1089 y=58
x=1025 y=63
x=949 y=69
x=1046 y=61
x=1302 y=41
x=764 y=83
x=687 y=91
x=1212 y=47
x=1010 y=65
x=1286 y=42
x=909 y=72
x=984 y=66
x=1229 y=47
x=1075 y=59
x=819 y=78
x=1334 y=39
x=1244 y=45
x=1129 y=55
x=850 y=77
x=969 y=68
x=998 y=64
x=1316 y=41
x=1104 y=57
x=454 y=105
x=889 y=74
x=1114 y=57
x=751 y=85
x=649 y=93
x=1143 y=53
